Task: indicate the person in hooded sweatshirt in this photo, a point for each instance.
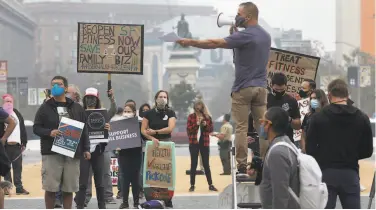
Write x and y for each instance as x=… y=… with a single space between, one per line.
x=91 y=101
x=338 y=137
x=59 y=170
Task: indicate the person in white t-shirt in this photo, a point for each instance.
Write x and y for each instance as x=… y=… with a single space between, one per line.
x=15 y=145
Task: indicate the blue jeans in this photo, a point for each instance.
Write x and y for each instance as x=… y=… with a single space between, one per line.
x=59 y=195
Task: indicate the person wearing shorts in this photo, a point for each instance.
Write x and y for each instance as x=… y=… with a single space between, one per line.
x=59 y=170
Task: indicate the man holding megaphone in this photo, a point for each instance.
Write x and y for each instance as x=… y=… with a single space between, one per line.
x=251 y=53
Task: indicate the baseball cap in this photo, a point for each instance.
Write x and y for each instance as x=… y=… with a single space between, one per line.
x=91 y=92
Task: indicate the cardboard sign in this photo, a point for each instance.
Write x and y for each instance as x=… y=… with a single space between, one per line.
x=124 y=134
x=110 y=48
x=67 y=143
x=304 y=109
x=295 y=66
x=96 y=121
x=159 y=165
x=114 y=167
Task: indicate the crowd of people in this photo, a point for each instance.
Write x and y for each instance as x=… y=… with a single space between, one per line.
x=334 y=132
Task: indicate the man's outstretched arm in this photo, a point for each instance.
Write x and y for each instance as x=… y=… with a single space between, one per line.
x=204 y=44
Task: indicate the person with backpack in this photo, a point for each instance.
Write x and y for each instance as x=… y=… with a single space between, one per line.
x=290 y=179
x=280 y=170
x=338 y=137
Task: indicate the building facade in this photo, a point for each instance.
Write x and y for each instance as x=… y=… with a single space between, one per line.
x=17 y=49
x=292 y=40
x=367 y=27
x=56 y=37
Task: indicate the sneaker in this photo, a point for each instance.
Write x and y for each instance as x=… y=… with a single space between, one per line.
x=110 y=201
x=224 y=174
x=124 y=205
x=192 y=188
x=169 y=204
x=22 y=192
x=58 y=204
x=212 y=188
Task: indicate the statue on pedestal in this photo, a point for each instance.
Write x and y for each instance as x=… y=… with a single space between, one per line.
x=183 y=31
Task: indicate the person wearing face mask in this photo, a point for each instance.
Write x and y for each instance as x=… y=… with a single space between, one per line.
x=73 y=92
x=15 y=144
x=91 y=101
x=58 y=169
x=280 y=167
x=251 y=48
x=338 y=137
x=199 y=126
x=143 y=109
x=129 y=164
x=159 y=122
x=318 y=100
x=307 y=87
x=279 y=98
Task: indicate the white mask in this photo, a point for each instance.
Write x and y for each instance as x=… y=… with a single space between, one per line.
x=128 y=115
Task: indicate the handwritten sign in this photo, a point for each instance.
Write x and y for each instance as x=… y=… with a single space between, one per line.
x=114 y=167
x=67 y=143
x=110 y=48
x=159 y=165
x=295 y=66
x=304 y=109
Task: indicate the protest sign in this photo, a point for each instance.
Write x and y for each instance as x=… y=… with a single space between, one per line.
x=295 y=66
x=96 y=121
x=159 y=165
x=124 y=134
x=114 y=167
x=110 y=48
x=304 y=109
x=67 y=143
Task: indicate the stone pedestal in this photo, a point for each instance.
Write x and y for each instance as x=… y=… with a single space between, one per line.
x=182 y=66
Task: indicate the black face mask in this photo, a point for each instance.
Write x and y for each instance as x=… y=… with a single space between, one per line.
x=278 y=95
x=303 y=94
x=91 y=101
x=239 y=21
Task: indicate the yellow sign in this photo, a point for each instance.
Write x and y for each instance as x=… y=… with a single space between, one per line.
x=110 y=48
x=295 y=66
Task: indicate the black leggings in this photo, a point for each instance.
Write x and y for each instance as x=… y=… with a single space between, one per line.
x=194 y=149
x=97 y=163
x=130 y=161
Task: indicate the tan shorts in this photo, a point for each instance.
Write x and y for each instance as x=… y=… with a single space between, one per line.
x=60 y=170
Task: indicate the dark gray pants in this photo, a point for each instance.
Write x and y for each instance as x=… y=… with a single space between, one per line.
x=96 y=163
x=343 y=183
x=224 y=154
x=14 y=154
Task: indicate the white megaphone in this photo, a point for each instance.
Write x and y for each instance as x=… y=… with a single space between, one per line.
x=223 y=20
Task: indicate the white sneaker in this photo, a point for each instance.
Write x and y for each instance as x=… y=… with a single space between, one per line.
x=362 y=188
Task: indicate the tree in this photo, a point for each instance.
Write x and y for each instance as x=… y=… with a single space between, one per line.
x=366 y=94
x=182 y=96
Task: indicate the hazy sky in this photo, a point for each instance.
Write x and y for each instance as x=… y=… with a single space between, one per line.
x=316 y=18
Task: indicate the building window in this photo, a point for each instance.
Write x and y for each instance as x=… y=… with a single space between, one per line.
x=57 y=52
x=74 y=36
x=57 y=36
x=74 y=53
x=58 y=68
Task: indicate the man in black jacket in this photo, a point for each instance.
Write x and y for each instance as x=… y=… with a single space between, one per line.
x=16 y=144
x=58 y=169
x=338 y=137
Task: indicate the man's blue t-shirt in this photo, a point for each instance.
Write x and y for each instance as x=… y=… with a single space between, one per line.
x=251 y=47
